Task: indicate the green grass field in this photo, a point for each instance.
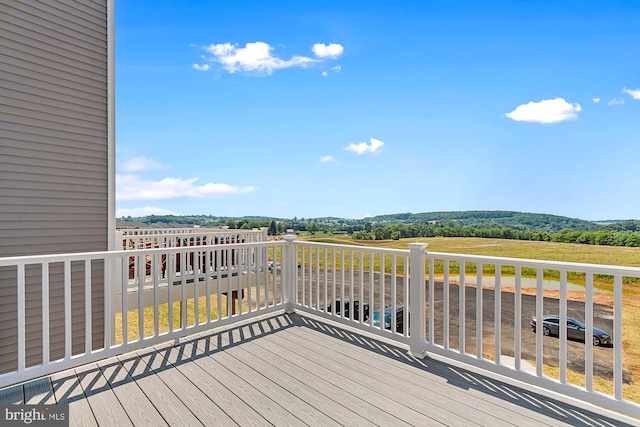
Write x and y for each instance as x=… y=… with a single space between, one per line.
x=551 y=251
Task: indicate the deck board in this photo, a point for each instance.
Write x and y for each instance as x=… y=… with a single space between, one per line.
x=133 y=400
x=252 y=397
x=291 y=377
x=295 y=370
x=215 y=391
x=169 y=406
x=328 y=391
x=286 y=398
x=104 y=404
x=39 y=392
x=12 y=395
x=67 y=390
x=367 y=383
x=203 y=408
x=409 y=380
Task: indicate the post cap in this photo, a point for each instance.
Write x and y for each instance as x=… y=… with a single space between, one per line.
x=418 y=245
x=289 y=237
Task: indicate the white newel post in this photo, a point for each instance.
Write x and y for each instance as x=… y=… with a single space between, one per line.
x=417 y=294
x=289 y=271
x=113 y=288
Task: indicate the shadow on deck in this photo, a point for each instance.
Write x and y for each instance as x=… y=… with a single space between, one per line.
x=294 y=369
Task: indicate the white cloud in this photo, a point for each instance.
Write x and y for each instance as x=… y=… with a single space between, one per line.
x=327 y=159
x=635 y=94
x=204 y=67
x=137 y=164
x=335 y=69
x=363 y=147
x=144 y=211
x=596 y=100
x=253 y=58
x=545 y=111
x=616 y=101
x=130 y=187
x=332 y=50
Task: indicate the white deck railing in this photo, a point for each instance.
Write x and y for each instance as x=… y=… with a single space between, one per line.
x=141 y=238
x=172 y=238
x=222 y=283
x=227 y=283
x=442 y=312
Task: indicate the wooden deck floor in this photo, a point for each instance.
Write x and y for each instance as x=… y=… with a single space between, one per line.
x=293 y=370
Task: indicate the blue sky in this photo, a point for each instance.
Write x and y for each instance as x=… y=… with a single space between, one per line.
x=352 y=108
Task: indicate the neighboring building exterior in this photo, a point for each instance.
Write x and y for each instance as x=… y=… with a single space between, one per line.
x=56 y=157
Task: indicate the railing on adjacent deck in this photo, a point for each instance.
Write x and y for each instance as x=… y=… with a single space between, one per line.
x=171 y=238
x=147 y=238
x=429 y=301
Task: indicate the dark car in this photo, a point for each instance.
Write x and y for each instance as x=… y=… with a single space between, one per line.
x=399 y=318
x=344 y=306
x=575 y=329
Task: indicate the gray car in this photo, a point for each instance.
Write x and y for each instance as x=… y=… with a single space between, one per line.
x=575 y=329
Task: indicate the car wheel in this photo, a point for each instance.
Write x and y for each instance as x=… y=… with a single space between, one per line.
x=546 y=331
x=596 y=341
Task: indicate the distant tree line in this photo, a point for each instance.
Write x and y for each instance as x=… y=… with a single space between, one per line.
x=486 y=224
x=610 y=236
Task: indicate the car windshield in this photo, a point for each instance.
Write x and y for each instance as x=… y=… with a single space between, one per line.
x=579 y=324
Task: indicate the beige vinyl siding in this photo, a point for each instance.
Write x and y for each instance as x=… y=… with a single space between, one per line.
x=54 y=171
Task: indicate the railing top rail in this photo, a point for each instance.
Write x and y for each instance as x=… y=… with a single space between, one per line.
x=387 y=251
x=80 y=256
x=176 y=231
x=545 y=264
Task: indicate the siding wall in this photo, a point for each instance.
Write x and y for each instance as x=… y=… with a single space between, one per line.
x=54 y=159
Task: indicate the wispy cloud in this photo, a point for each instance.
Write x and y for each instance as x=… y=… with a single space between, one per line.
x=332 y=50
x=138 y=164
x=634 y=93
x=143 y=211
x=616 y=101
x=363 y=147
x=596 y=100
x=258 y=57
x=327 y=159
x=131 y=187
x=545 y=111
